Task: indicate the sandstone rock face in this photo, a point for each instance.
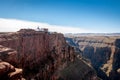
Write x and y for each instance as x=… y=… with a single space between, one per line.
x=42 y=56
x=103 y=52
x=5 y=68
x=16 y=75
x=78 y=70
x=8 y=54
x=9 y=72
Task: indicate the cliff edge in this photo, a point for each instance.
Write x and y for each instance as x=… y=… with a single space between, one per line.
x=42 y=55
x=102 y=51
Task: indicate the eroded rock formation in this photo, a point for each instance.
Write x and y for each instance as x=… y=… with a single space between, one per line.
x=44 y=56
x=8 y=71
x=103 y=52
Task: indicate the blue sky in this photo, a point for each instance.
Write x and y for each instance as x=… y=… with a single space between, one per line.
x=94 y=15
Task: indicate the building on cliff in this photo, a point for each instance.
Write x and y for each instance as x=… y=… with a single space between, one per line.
x=42 y=29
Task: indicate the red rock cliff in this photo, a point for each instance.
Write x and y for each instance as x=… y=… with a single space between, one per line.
x=43 y=55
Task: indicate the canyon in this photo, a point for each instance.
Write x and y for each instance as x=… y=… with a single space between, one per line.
x=102 y=51
x=42 y=55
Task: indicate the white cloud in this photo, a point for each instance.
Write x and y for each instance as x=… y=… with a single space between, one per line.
x=12 y=25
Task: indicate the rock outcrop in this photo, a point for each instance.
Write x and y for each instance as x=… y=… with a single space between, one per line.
x=43 y=56
x=8 y=71
x=103 y=52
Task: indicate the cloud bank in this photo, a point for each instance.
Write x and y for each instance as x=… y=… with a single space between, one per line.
x=13 y=25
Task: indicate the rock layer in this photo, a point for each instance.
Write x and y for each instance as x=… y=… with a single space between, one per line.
x=7 y=70
x=103 y=52
x=43 y=56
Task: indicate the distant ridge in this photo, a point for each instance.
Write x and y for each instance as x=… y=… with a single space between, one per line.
x=92 y=34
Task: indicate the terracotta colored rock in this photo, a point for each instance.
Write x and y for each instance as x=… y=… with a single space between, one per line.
x=8 y=55
x=16 y=75
x=5 y=68
x=40 y=54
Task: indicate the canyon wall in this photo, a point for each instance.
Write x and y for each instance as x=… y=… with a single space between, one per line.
x=102 y=51
x=43 y=55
